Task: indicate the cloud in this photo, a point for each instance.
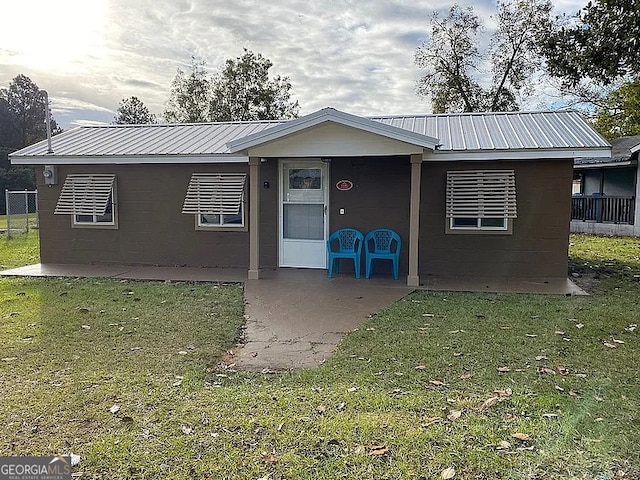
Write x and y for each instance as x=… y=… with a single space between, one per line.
x=354 y=56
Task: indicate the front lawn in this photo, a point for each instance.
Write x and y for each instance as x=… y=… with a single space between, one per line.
x=126 y=375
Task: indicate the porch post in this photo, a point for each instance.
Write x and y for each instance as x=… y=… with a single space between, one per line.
x=254 y=218
x=413 y=279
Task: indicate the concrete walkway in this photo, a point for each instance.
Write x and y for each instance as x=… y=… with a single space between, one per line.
x=297 y=317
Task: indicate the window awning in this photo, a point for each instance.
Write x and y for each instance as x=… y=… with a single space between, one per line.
x=481 y=194
x=218 y=194
x=85 y=194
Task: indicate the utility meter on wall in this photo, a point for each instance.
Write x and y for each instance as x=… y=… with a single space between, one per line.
x=50 y=175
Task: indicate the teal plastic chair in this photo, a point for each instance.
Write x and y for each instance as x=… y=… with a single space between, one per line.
x=382 y=244
x=349 y=242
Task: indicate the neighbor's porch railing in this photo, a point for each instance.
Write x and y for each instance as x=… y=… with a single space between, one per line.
x=603 y=209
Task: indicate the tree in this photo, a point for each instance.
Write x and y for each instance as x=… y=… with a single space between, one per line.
x=453 y=62
x=132 y=111
x=602 y=42
x=22 y=122
x=619 y=115
x=241 y=91
x=190 y=96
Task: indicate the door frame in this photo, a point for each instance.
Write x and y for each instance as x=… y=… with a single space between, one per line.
x=302 y=163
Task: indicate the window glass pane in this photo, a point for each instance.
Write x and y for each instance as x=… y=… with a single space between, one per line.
x=304 y=222
x=84 y=218
x=232 y=219
x=209 y=219
x=465 y=222
x=305 y=179
x=492 y=222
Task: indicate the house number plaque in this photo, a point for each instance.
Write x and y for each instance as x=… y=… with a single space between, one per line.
x=344 y=185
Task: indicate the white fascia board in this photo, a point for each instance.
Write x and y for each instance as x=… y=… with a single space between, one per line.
x=124 y=159
x=336 y=116
x=449 y=156
x=635 y=149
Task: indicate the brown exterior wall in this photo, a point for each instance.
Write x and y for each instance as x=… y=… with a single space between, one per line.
x=379 y=199
x=151 y=228
x=538 y=246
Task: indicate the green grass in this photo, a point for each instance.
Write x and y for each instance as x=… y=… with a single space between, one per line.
x=19 y=220
x=180 y=418
x=20 y=250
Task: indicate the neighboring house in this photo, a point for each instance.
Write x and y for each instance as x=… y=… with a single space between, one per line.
x=482 y=195
x=605 y=191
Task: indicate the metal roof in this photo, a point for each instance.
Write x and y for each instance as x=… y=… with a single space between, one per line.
x=502 y=130
x=456 y=132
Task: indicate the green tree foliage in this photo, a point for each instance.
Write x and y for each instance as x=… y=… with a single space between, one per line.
x=190 y=96
x=619 y=115
x=602 y=42
x=22 y=122
x=241 y=91
x=454 y=79
x=133 y=111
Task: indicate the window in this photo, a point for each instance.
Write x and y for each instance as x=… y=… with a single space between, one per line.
x=216 y=200
x=89 y=199
x=481 y=200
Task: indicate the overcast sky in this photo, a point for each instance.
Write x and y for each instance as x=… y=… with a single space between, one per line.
x=353 y=55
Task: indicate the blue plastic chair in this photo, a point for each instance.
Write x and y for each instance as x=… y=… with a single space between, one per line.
x=379 y=245
x=349 y=243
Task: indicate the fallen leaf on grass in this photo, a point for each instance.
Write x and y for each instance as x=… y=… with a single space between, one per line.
x=504 y=369
x=559 y=388
x=341 y=407
x=466 y=376
x=321 y=409
x=115 y=409
x=458 y=354
x=543 y=370
x=549 y=415
x=610 y=345
x=504 y=393
x=615 y=340
x=541 y=357
x=86 y=327
x=559 y=332
x=187 y=430
x=448 y=473
x=420 y=367
x=352 y=389
x=454 y=414
x=437 y=383
x=269 y=458
x=377 y=450
x=521 y=436
x=563 y=370
x=488 y=403
x=9 y=359
x=503 y=445
x=579 y=325
x=531 y=335
x=631 y=328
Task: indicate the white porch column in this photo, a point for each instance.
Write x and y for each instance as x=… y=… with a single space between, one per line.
x=413 y=279
x=254 y=218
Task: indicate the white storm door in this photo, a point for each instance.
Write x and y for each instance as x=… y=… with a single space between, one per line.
x=303 y=214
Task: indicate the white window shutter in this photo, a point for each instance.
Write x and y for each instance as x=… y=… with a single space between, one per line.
x=218 y=194
x=85 y=194
x=481 y=194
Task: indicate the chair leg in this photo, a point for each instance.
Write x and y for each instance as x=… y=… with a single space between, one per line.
x=395 y=268
x=367 y=272
x=330 y=270
x=356 y=266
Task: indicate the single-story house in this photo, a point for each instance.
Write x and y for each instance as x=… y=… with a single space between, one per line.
x=481 y=194
x=605 y=192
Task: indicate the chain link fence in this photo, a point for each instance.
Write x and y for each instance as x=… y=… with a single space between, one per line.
x=22 y=212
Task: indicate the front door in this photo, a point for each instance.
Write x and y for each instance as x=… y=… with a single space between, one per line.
x=303 y=213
